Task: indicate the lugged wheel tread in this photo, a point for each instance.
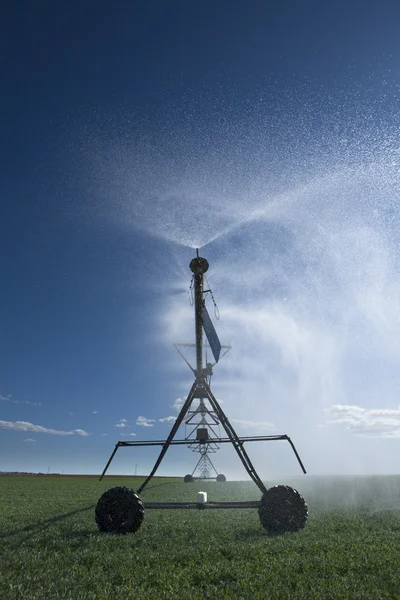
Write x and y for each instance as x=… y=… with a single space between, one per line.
x=282 y=509
x=119 y=510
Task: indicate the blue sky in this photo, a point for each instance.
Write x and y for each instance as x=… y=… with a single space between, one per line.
x=267 y=133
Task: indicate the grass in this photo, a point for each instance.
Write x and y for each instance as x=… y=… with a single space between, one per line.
x=51 y=548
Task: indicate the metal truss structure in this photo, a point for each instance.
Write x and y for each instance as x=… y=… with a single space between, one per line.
x=281 y=508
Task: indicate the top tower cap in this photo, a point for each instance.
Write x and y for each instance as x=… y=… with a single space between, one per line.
x=198 y=265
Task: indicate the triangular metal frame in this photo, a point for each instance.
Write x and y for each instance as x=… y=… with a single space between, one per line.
x=204 y=464
x=201 y=389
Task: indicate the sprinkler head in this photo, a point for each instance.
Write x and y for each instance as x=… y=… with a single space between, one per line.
x=198 y=265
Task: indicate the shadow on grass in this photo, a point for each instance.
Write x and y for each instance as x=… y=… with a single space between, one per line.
x=83 y=533
x=252 y=533
x=41 y=525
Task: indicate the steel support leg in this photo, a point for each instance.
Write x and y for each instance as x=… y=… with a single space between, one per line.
x=109 y=460
x=237 y=444
x=171 y=436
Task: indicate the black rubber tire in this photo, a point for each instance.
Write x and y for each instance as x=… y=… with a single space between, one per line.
x=282 y=509
x=188 y=479
x=119 y=510
x=221 y=478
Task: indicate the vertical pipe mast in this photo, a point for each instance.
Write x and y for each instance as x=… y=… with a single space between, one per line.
x=198 y=266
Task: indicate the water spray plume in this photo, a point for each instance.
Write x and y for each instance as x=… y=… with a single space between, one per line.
x=306 y=189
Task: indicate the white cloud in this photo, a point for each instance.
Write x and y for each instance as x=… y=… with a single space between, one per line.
x=25 y=426
x=124 y=420
x=264 y=426
x=29 y=440
x=94 y=412
x=71 y=413
x=9 y=399
x=77 y=432
x=120 y=425
x=144 y=422
x=132 y=434
x=177 y=405
x=364 y=422
x=167 y=420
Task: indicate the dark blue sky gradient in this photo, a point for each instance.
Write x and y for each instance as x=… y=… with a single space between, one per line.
x=77 y=304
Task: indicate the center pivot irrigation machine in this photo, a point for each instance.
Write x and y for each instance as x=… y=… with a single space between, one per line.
x=281 y=508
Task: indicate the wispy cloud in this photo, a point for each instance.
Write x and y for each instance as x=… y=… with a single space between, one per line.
x=167 y=420
x=94 y=412
x=104 y=434
x=364 y=422
x=177 y=405
x=25 y=426
x=133 y=434
x=128 y=434
x=71 y=413
x=120 y=425
x=29 y=440
x=124 y=420
x=144 y=422
x=10 y=399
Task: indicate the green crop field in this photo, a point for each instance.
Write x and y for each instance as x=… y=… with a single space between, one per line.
x=51 y=548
